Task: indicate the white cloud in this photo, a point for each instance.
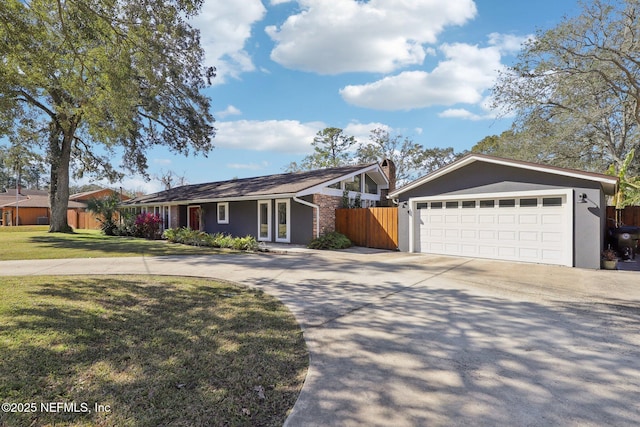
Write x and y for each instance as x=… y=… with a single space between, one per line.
x=463 y=77
x=508 y=43
x=284 y=136
x=461 y=113
x=229 y=111
x=332 y=37
x=225 y=26
x=248 y=166
x=362 y=131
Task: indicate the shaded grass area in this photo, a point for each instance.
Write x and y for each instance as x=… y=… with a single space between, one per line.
x=35 y=242
x=154 y=350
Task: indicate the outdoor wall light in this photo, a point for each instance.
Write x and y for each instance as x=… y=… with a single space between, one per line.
x=582 y=198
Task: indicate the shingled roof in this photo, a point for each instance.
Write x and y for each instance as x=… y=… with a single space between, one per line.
x=269 y=185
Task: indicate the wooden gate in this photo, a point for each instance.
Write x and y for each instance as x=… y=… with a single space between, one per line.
x=370 y=227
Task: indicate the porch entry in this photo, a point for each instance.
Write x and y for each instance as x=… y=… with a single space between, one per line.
x=282 y=220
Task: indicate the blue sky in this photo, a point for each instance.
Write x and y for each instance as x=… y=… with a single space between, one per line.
x=287 y=69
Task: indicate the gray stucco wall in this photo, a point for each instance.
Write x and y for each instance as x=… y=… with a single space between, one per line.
x=480 y=177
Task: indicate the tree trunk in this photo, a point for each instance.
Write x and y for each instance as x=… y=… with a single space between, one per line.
x=60 y=158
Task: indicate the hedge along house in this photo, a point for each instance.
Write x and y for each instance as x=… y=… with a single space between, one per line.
x=286 y=208
x=489 y=207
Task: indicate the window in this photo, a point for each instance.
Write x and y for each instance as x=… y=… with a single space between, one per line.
x=452 y=205
x=436 y=205
x=528 y=203
x=421 y=206
x=283 y=213
x=487 y=203
x=336 y=186
x=370 y=186
x=507 y=203
x=552 y=201
x=223 y=213
x=264 y=220
x=353 y=186
x=468 y=204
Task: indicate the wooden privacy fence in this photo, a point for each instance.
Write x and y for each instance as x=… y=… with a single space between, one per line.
x=370 y=227
x=82 y=220
x=628 y=216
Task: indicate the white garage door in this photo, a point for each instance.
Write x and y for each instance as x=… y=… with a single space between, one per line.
x=528 y=227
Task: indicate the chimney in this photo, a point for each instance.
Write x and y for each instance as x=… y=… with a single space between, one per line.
x=389 y=169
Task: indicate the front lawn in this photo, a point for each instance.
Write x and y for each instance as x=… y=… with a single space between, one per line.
x=145 y=351
x=35 y=242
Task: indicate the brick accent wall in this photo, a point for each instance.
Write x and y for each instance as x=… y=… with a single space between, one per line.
x=328 y=206
x=174 y=215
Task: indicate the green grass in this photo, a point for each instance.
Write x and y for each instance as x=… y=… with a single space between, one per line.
x=35 y=242
x=153 y=350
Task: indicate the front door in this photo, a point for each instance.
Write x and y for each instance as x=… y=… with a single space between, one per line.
x=264 y=220
x=194 y=217
x=283 y=224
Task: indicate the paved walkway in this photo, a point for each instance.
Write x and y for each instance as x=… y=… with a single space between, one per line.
x=411 y=340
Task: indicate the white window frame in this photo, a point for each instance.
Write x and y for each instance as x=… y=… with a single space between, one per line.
x=224 y=220
x=287 y=238
x=268 y=238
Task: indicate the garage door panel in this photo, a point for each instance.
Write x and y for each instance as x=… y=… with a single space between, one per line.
x=551 y=219
x=506 y=235
x=486 y=234
x=469 y=234
x=529 y=253
x=506 y=219
x=551 y=237
x=486 y=219
x=528 y=236
x=528 y=219
x=467 y=219
x=452 y=234
x=533 y=232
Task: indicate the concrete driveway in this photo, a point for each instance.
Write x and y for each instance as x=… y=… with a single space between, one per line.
x=414 y=340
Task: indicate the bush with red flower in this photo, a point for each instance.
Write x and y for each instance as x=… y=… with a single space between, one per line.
x=147 y=225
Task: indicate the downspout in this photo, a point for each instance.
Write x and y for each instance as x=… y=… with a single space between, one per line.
x=314 y=206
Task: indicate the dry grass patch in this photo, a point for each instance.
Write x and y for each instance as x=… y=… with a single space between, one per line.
x=153 y=350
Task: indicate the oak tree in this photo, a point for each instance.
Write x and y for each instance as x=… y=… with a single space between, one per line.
x=575 y=89
x=103 y=77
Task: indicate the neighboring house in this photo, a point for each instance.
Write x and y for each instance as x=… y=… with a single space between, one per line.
x=78 y=216
x=33 y=208
x=288 y=208
x=489 y=207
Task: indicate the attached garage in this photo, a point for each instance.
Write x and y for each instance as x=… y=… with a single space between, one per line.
x=488 y=207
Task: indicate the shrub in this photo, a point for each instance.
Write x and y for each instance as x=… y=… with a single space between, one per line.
x=333 y=240
x=147 y=225
x=219 y=240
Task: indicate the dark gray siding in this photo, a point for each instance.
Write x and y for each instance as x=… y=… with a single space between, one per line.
x=480 y=177
x=182 y=216
x=301 y=222
x=243 y=219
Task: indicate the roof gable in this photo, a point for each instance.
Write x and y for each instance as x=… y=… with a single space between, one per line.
x=609 y=183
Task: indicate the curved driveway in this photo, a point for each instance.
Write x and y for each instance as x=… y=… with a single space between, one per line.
x=412 y=340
